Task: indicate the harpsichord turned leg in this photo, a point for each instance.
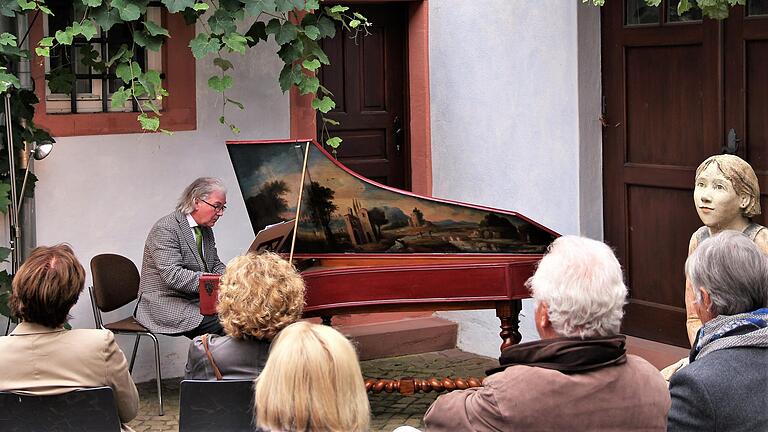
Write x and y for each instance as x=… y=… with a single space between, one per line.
x=508 y=313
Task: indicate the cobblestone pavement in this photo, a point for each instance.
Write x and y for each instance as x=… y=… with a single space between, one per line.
x=388 y=410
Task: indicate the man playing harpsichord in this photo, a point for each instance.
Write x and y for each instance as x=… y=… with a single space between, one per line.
x=179 y=249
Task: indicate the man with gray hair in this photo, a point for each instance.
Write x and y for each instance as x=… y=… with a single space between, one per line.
x=179 y=249
x=724 y=386
x=578 y=377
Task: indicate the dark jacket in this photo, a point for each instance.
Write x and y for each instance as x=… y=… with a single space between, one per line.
x=235 y=358
x=726 y=390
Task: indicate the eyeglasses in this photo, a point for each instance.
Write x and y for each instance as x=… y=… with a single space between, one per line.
x=219 y=208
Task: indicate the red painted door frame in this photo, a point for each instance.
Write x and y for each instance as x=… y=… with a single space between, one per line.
x=303 y=122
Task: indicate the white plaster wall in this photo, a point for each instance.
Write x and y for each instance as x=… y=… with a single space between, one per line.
x=514 y=105
x=103 y=193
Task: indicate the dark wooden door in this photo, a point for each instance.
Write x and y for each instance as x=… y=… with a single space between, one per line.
x=746 y=88
x=671 y=91
x=367 y=78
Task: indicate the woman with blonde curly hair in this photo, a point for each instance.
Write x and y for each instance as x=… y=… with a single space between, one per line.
x=259 y=295
x=312 y=382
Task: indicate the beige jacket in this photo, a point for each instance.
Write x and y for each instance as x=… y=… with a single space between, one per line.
x=628 y=397
x=39 y=360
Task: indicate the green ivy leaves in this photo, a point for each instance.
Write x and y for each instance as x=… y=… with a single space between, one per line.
x=254 y=8
x=220 y=84
x=203 y=44
x=148 y=123
x=8 y=80
x=155 y=30
x=297 y=26
x=9 y=8
x=311 y=65
x=105 y=16
x=284 y=32
x=7 y=39
x=235 y=42
x=128 y=71
x=716 y=9
x=175 y=6
x=223 y=64
x=130 y=10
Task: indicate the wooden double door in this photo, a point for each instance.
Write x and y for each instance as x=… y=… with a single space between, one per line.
x=677 y=89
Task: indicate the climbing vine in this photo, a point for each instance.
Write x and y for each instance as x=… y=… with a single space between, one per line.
x=226 y=28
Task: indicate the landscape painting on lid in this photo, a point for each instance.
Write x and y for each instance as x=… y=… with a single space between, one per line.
x=343 y=213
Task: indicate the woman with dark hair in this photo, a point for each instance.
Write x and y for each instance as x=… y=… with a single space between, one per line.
x=41 y=357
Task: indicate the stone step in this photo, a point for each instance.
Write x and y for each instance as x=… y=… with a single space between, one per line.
x=401 y=337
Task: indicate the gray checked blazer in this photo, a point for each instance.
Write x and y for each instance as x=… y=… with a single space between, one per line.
x=168 y=291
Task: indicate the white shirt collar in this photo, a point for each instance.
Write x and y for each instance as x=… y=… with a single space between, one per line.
x=191 y=221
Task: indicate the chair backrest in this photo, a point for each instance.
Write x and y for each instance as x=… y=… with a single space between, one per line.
x=115 y=281
x=92 y=409
x=216 y=405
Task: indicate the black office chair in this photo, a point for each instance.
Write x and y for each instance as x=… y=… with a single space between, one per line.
x=216 y=405
x=115 y=284
x=91 y=409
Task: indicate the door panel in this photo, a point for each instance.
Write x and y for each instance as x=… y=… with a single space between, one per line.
x=645 y=217
x=367 y=79
x=756 y=108
x=663 y=93
x=746 y=87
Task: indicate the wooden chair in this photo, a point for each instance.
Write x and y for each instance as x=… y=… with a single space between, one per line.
x=115 y=284
x=216 y=405
x=91 y=409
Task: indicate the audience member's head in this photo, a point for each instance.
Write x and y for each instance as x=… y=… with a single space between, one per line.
x=729 y=275
x=312 y=382
x=259 y=295
x=579 y=290
x=47 y=285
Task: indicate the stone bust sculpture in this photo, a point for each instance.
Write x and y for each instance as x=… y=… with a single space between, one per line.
x=727 y=196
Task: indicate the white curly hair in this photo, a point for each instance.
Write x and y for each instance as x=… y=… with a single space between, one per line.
x=582 y=284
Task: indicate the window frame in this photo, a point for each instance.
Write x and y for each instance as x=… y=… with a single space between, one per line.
x=179 y=108
x=92 y=102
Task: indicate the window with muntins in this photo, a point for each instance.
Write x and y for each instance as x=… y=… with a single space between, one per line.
x=74 y=86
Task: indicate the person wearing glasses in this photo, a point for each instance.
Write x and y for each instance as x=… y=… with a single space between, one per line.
x=179 y=249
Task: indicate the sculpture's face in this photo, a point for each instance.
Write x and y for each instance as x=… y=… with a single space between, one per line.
x=717 y=203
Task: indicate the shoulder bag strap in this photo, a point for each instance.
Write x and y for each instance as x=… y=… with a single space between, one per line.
x=216 y=370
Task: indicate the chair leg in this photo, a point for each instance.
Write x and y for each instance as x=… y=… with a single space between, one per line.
x=133 y=356
x=157 y=369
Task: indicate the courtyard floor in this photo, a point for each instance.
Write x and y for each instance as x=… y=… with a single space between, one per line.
x=388 y=410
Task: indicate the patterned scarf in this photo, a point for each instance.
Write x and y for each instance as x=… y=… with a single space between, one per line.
x=729 y=331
